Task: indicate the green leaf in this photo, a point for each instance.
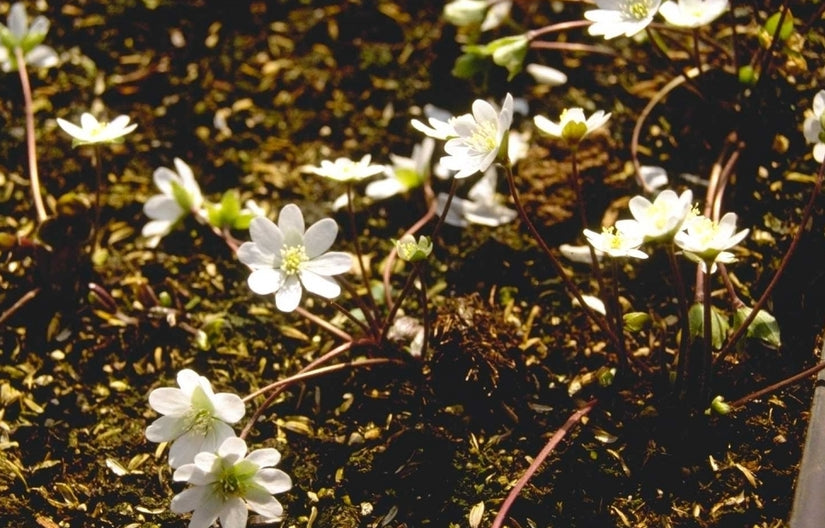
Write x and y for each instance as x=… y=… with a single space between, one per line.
x=469 y=65
x=636 y=321
x=718 y=324
x=764 y=326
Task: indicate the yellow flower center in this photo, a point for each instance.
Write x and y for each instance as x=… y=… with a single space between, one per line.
x=612 y=238
x=704 y=230
x=484 y=137
x=658 y=215
x=637 y=9
x=292 y=259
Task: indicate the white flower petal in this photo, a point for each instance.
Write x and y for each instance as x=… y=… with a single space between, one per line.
x=266 y=235
x=320 y=285
x=265 y=504
x=234 y=514
x=228 y=407
x=291 y=219
x=207 y=513
x=189 y=499
x=169 y=400
x=288 y=296
x=320 y=236
x=160 y=207
x=331 y=263
x=251 y=254
x=266 y=280
x=266 y=457
x=165 y=429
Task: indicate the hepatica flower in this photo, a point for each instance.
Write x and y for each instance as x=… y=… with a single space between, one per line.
x=18 y=34
x=692 y=13
x=661 y=219
x=180 y=195
x=573 y=126
x=814 y=127
x=483 y=207
x=621 y=17
x=227 y=484
x=285 y=258
x=346 y=170
x=616 y=243
x=194 y=417
x=706 y=242
x=479 y=138
x=404 y=173
x=92 y=131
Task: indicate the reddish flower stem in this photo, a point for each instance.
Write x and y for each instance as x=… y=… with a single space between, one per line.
x=537 y=462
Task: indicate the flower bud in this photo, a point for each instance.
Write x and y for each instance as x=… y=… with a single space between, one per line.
x=411 y=251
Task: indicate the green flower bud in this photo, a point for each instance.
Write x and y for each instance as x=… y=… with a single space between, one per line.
x=411 y=251
x=718 y=406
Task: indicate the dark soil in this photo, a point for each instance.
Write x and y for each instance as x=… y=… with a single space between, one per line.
x=421 y=441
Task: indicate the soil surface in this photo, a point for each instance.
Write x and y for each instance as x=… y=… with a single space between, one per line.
x=249 y=92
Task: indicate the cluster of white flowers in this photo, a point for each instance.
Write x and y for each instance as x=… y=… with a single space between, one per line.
x=670 y=218
x=629 y=17
x=225 y=481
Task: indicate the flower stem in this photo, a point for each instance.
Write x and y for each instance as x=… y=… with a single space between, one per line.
x=365 y=277
x=707 y=328
x=277 y=390
x=803 y=221
x=537 y=462
x=684 y=321
x=30 y=139
x=778 y=385
x=600 y=321
x=311 y=317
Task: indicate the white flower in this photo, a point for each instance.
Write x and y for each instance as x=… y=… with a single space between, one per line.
x=479 y=137
x=484 y=206
x=616 y=243
x=661 y=219
x=226 y=484
x=621 y=17
x=285 y=259
x=497 y=14
x=440 y=123
x=572 y=125
x=93 y=131
x=465 y=12
x=18 y=34
x=346 y=170
x=546 y=75
x=813 y=127
x=705 y=241
x=194 y=418
x=692 y=13
x=180 y=195
x=404 y=173
x=653 y=177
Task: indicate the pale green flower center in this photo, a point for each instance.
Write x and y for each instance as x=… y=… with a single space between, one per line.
x=704 y=231
x=636 y=9
x=200 y=417
x=293 y=258
x=231 y=485
x=484 y=137
x=658 y=215
x=612 y=239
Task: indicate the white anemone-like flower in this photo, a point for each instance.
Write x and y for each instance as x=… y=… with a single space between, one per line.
x=92 y=131
x=496 y=15
x=436 y=127
x=404 y=173
x=814 y=129
x=229 y=483
x=661 y=219
x=285 y=258
x=573 y=126
x=621 y=17
x=616 y=243
x=180 y=196
x=479 y=137
x=483 y=207
x=705 y=241
x=692 y=13
x=194 y=417
x=346 y=170
x=19 y=34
